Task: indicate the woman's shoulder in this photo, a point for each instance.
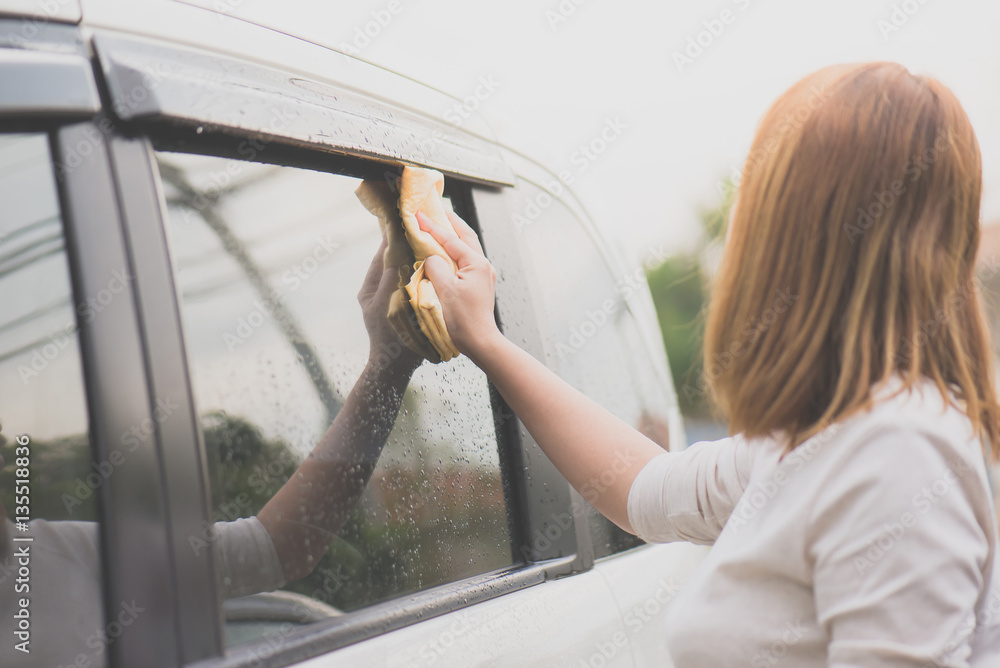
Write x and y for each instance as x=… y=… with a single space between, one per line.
x=919 y=415
x=907 y=441
x=906 y=435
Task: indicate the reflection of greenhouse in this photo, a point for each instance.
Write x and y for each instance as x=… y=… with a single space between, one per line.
x=269 y=262
x=434 y=511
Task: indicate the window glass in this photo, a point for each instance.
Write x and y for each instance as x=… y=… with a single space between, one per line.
x=596 y=345
x=51 y=611
x=269 y=264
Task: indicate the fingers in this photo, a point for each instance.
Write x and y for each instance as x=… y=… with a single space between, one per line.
x=457 y=250
x=465 y=233
x=374 y=274
x=388 y=281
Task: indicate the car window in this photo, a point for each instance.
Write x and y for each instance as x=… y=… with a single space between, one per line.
x=269 y=262
x=594 y=336
x=49 y=556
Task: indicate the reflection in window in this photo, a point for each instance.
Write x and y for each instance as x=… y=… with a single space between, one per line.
x=269 y=262
x=43 y=416
x=596 y=344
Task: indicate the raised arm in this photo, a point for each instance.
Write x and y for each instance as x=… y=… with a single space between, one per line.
x=599 y=454
x=311 y=508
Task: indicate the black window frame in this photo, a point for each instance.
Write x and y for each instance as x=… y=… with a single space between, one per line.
x=137 y=560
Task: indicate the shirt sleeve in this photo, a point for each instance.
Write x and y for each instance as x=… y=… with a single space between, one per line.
x=899 y=552
x=689 y=495
x=246 y=561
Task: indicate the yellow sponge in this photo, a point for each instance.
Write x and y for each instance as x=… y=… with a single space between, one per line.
x=408 y=246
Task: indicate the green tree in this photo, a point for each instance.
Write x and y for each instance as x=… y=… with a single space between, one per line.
x=680 y=293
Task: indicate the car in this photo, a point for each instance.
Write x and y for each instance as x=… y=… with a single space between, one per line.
x=180 y=254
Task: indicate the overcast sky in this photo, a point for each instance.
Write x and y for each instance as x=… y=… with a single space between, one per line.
x=561 y=70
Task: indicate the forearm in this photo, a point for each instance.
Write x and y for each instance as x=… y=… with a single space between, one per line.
x=597 y=453
x=311 y=508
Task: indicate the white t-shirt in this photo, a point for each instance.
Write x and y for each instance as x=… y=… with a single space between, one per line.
x=872 y=544
x=67 y=620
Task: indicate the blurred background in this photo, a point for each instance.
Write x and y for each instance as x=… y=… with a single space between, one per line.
x=682 y=84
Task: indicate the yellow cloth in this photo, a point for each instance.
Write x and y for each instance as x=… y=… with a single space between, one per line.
x=408 y=246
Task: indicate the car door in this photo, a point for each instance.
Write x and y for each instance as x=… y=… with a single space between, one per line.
x=219 y=185
x=267 y=247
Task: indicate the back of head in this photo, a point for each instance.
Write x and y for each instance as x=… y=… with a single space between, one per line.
x=850 y=256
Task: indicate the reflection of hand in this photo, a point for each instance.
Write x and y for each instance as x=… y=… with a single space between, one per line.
x=385 y=349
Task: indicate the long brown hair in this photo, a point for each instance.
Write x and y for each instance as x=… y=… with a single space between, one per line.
x=850 y=257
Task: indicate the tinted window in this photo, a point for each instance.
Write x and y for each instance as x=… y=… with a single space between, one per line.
x=596 y=344
x=50 y=589
x=269 y=262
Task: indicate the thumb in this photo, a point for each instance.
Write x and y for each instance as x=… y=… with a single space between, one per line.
x=440 y=273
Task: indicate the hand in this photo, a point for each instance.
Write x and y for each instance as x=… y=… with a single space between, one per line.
x=386 y=351
x=467 y=295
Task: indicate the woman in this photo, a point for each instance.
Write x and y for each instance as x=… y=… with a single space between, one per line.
x=850 y=513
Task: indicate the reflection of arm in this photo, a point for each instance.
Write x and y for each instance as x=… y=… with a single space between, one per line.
x=311 y=508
